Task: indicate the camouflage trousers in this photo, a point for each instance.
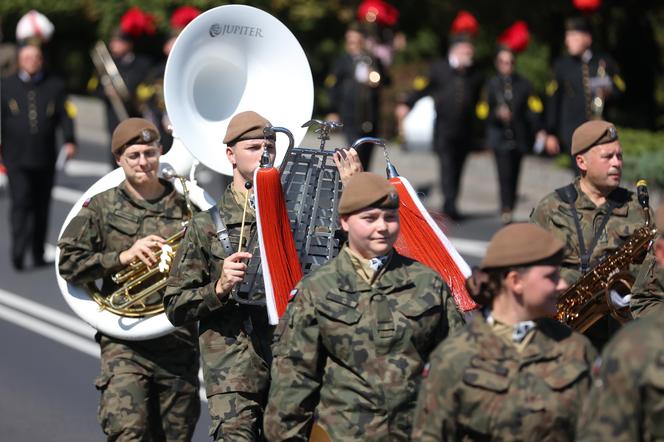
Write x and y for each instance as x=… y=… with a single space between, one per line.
x=142 y=402
x=236 y=416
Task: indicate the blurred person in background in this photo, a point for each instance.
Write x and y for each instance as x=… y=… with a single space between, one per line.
x=513 y=116
x=150 y=92
x=355 y=86
x=131 y=66
x=455 y=85
x=584 y=82
x=32 y=107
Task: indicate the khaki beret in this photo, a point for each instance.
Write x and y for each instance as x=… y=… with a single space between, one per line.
x=133 y=131
x=521 y=244
x=367 y=189
x=246 y=126
x=592 y=133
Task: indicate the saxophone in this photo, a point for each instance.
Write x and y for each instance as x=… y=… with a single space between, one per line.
x=588 y=299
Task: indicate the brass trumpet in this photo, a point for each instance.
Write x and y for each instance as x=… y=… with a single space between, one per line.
x=138 y=284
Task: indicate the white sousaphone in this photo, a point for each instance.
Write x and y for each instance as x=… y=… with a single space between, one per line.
x=229 y=59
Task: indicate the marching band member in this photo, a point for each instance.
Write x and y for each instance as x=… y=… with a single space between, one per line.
x=32 y=108
x=234 y=339
x=149 y=389
x=583 y=81
x=624 y=403
x=513 y=373
x=594 y=215
x=455 y=84
x=358 y=330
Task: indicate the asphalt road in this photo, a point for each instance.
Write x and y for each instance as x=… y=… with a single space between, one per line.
x=49 y=358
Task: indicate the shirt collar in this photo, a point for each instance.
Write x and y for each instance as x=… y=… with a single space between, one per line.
x=519 y=330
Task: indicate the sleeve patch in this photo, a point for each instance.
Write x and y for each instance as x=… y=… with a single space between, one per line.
x=420 y=82
x=535 y=104
x=292 y=294
x=71 y=109
x=86 y=203
x=619 y=82
x=482 y=110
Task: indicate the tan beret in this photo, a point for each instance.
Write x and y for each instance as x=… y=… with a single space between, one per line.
x=133 y=131
x=592 y=133
x=367 y=189
x=246 y=126
x=521 y=244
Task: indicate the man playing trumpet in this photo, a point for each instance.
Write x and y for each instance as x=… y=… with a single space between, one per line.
x=149 y=389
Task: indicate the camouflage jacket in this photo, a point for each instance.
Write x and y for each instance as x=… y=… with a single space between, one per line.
x=479 y=388
x=648 y=289
x=353 y=353
x=625 y=402
x=555 y=215
x=234 y=340
x=110 y=223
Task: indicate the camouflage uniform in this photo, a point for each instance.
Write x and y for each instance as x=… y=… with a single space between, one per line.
x=555 y=215
x=479 y=387
x=625 y=402
x=648 y=289
x=132 y=372
x=352 y=353
x=234 y=339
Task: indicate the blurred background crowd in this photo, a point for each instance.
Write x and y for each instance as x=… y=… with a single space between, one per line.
x=401 y=39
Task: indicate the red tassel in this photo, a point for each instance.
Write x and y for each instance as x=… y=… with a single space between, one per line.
x=422 y=240
x=279 y=257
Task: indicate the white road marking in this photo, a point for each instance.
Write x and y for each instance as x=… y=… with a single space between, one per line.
x=48 y=314
x=50 y=331
x=77 y=168
x=36 y=317
x=65 y=194
x=470 y=247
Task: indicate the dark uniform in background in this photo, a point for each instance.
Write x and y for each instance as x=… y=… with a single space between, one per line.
x=510 y=140
x=33 y=108
x=356 y=83
x=149 y=388
x=578 y=81
x=455 y=93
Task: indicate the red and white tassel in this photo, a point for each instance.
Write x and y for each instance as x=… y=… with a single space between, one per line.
x=279 y=257
x=421 y=239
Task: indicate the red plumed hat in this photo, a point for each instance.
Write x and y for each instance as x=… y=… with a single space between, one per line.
x=377 y=11
x=465 y=23
x=183 y=15
x=587 y=5
x=136 y=23
x=516 y=37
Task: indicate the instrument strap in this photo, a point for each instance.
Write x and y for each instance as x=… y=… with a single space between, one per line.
x=568 y=194
x=222 y=230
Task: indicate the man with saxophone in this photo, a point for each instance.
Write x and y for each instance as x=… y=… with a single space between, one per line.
x=624 y=403
x=234 y=338
x=593 y=216
x=149 y=389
